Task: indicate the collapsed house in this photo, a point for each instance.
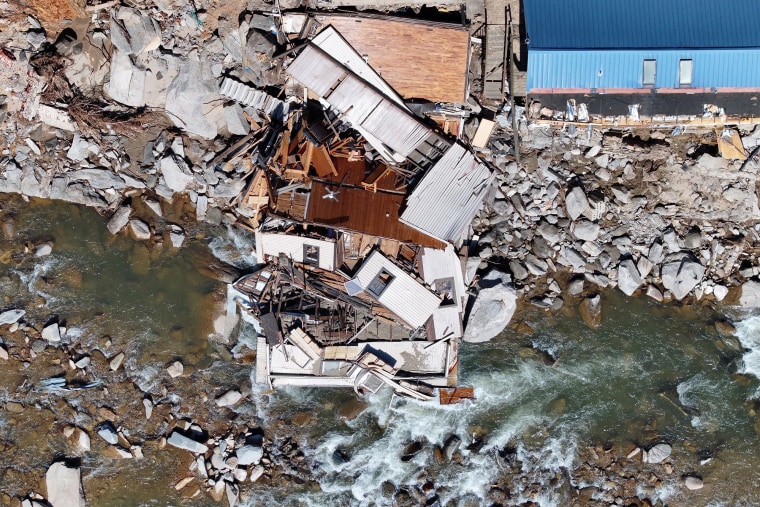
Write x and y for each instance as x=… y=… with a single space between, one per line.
x=360 y=208
x=643 y=62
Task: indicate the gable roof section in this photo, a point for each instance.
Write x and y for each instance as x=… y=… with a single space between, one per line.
x=404 y=296
x=385 y=124
x=642 y=24
x=449 y=195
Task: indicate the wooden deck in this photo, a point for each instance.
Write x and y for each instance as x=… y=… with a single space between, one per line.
x=418 y=59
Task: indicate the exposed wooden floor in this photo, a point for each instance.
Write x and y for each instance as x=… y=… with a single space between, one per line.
x=418 y=59
x=374 y=213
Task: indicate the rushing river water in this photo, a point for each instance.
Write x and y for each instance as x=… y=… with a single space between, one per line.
x=650 y=373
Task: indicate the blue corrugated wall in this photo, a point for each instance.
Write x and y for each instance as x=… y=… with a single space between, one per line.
x=733 y=68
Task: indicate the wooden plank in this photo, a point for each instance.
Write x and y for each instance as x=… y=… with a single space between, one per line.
x=730 y=144
x=483 y=134
x=323 y=163
x=447 y=396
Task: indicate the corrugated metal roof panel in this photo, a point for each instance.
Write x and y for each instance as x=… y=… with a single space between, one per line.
x=336 y=46
x=369 y=111
x=404 y=296
x=444 y=203
x=600 y=69
x=316 y=71
x=589 y=24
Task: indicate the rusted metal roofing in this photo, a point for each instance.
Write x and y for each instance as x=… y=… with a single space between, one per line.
x=402 y=295
x=447 y=198
x=419 y=59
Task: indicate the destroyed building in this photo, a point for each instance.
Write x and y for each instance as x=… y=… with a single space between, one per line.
x=644 y=59
x=362 y=205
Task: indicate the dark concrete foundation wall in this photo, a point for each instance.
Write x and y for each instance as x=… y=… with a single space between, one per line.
x=735 y=104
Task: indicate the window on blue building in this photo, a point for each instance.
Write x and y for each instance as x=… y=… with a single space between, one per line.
x=650 y=72
x=685 y=71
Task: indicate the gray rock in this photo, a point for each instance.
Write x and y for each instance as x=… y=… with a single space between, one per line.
x=518 y=269
x=237 y=125
x=654 y=293
x=133 y=32
x=749 y=296
x=177 y=239
x=549 y=232
x=11 y=316
x=249 y=454
x=658 y=453
x=80 y=149
x=656 y=253
x=228 y=189
x=99 y=178
x=140 y=229
x=575 y=287
x=585 y=230
x=576 y=202
x=229 y=398
x=180 y=441
x=693 y=483
x=52 y=333
x=192 y=98
x=174 y=177
x=621 y=193
x=492 y=311
x=629 y=278
x=127 y=80
x=693 y=240
x=43 y=250
x=671 y=240
x=107 y=432
x=541 y=248
x=720 y=292
x=175 y=369
x=119 y=219
x=64 y=486
x=681 y=273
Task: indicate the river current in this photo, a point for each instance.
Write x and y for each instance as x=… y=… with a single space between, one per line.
x=650 y=373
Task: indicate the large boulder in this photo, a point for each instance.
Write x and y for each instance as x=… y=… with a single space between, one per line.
x=133 y=32
x=681 y=273
x=492 y=310
x=576 y=202
x=629 y=278
x=658 y=453
x=64 y=486
x=192 y=99
x=750 y=294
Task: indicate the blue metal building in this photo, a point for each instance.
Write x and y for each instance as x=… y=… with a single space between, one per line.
x=651 y=52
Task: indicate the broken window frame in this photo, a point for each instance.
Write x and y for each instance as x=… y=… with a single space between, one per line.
x=685 y=72
x=649 y=72
x=311 y=254
x=379 y=283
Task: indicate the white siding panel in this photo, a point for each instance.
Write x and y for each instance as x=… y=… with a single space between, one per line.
x=446 y=200
x=292 y=246
x=404 y=296
x=316 y=71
